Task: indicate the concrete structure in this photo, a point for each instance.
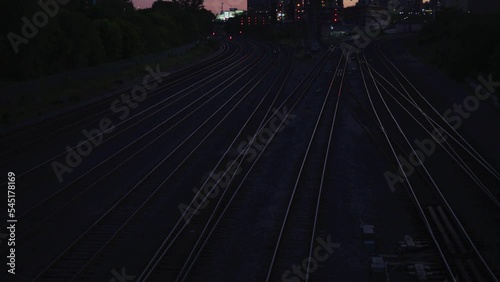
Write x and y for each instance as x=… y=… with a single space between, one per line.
x=231 y=13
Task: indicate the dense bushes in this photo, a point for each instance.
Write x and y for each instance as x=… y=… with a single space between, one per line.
x=83 y=33
x=463 y=44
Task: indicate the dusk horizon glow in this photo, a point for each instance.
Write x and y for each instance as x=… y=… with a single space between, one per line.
x=215 y=5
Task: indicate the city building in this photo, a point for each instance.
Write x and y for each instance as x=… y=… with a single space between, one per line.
x=231 y=13
x=264 y=9
x=261 y=6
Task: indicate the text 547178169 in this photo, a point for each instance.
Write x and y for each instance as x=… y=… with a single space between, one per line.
x=11 y=222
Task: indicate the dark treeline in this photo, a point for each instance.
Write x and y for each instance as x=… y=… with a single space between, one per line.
x=465 y=45
x=50 y=36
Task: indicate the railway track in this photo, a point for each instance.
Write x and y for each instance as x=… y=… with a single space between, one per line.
x=456 y=145
x=139 y=142
x=461 y=258
x=162 y=264
x=302 y=212
x=37 y=215
x=125 y=125
x=78 y=256
x=33 y=136
x=125 y=208
x=52 y=206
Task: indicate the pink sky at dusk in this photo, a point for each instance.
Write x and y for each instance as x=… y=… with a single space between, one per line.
x=214 y=5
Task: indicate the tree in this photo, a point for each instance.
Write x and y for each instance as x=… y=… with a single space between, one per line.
x=113 y=8
x=190 y=4
x=111 y=37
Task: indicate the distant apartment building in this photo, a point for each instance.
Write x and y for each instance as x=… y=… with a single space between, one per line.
x=231 y=13
x=331 y=3
x=262 y=6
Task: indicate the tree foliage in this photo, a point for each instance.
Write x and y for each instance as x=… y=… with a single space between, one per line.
x=190 y=4
x=87 y=33
x=463 y=44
